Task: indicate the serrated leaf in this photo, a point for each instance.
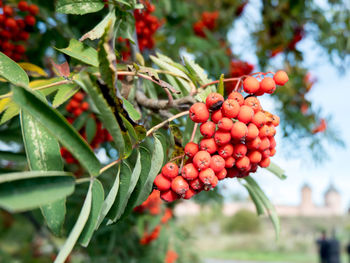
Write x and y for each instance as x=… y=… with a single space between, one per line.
x=81 y=52
x=79 y=7
x=96 y=207
x=58 y=126
x=32 y=70
x=134 y=114
x=64 y=93
x=276 y=170
x=99 y=29
x=77 y=229
x=12 y=72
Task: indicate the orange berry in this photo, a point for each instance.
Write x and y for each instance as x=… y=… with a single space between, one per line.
x=191 y=149
x=222 y=137
x=33 y=9
x=230 y=108
x=226 y=151
x=250 y=85
x=169 y=196
x=163 y=183
x=202 y=160
x=254 y=156
x=245 y=114
x=237 y=97
x=216 y=116
x=253 y=132
x=214 y=101
x=196 y=184
x=243 y=163
x=222 y=174
x=199 y=112
x=259 y=119
x=239 y=130
x=280 y=77
x=22 y=6
x=207 y=129
x=253 y=102
x=207 y=176
x=208 y=145
x=179 y=185
x=240 y=150
x=230 y=162
x=264 y=162
x=170 y=170
x=275 y=120
x=189 y=172
x=225 y=124
x=217 y=163
x=268 y=85
x=189 y=194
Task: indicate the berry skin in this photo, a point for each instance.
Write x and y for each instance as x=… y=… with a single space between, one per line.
x=239 y=130
x=253 y=132
x=170 y=170
x=169 y=196
x=77 y=112
x=272 y=130
x=199 y=112
x=267 y=85
x=259 y=119
x=208 y=145
x=191 y=149
x=222 y=137
x=245 y=114
x=243 y=163
x=214 y=101
x=254 y=156
x=207 y=176
x=189 y=194
x=217 y=163
x=251 y=85
x=30 y=20
x=202 y=160
x=79 y=96
x=207 y=129
x=275 y=120
x=33 y=9
x=239 y=151
x=253 y=102
x=254 y=144
x=214 y=181
x=22 y=6
x=162 y=182
x=264 y=131
x=216 y=116
x=272 y=142
x=85 y=106
x=189 y=172
x=10 y=23
x=7 y=10
x=222 y=174
x=280 y=78
x=225 y=124
x=230 y=108
x=196 y=184
x=237 y=97
x=265 y=144
x=230 y=162
x=272 y=152
x=264 y=163
x=226 y=151
x=266 y=153
x=179 y=185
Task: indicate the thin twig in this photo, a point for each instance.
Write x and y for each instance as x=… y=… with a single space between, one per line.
x=217 y=81
x=177 y=157
x=154 y=128
x=237 y=85
x=194 y=131
x=103 y=169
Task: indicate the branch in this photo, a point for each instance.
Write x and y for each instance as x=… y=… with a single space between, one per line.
x=154 y=128
x=217 y=81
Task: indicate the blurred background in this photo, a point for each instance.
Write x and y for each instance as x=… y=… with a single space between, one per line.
x=309 y=39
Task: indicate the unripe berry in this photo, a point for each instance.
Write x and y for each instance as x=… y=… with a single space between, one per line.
x=207 y=176
x=191 y=149
x=245 y=114
x=231 y=173
x=259 y=119
x=265 y=144
x=22 y=6
x=230 y=162
x=237 y=97
x=202 y=160
x=239 y=130
x=268 y=85
x=179 y=185
x=189 y=194
x=30 y=20
x=170 y=170
x=250 y=85
x=222 y=137
x=254 y=156
x=207 y=129
x=163 y=183
x=254 y=144
x=230 y=108
x=243 y=163
x=189 y=172
x=217 y=163
x=222 y=174
x=208 y=145
x=214 y=101
x=226 y=151
x=280 y=77
x=264 y=163
x=253 y=102
x=216 y=116
x=169 y=196
x=199 y=112
x=225 y=124
x=196 y=184
x=33 y=9
x=239 y=151
x=253 y=132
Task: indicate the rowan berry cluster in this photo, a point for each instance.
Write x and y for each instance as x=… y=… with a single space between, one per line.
x=238 y=136
x=15 y=25
x=238 y=68
x=208 y=21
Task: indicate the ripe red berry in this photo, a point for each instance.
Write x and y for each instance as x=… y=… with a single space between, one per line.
x=196 y=184
x=199 y=112
x=216 y=116
x=217 y=163
x=254 y=144
x=259 y=119
x=169 y=196
x=280 y=78
x=222 y=137
x=30 y=20
x=222 y=174
x=226 y=151
x=243 y=163
x=189 y=194
x=189 y=172
x=202 y=160
x=225 y=124
x=85 y=106
x=253 y=132
x=245 y=114
x=20 y=49
x=208 y=145
x=250 y=85
x=230 y=162
x=214 y=101
x=33 y=9
x=237 y=97
x=275 y=120
x=23 y=36
x=254 y=156
x=207 y=129
x=272 y=152
x=170 y=170
x=239 y=151
x=230 y=108
x=239 y=130
x=7 y=10
x=163 y=183
x=77 y=112
x=264 y=163
x=253 y=102
x=191 y=149
x=179 y=185
x=79 y=96
x=207 y=176
x=214 y=181
x=264 y=131
x=265 y=144
x=272 y=142
x=267 y=85
x=11 y=23
x=265 y=153
x=22 y=6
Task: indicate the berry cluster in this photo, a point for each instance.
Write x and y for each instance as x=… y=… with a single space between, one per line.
x=238 y=68
x=208 y=21
x=14 y=29
x=238 y=136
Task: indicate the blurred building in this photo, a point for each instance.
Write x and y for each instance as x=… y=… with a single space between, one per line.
x=332 y=205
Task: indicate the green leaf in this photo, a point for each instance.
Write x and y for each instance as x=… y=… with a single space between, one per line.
x=133 y=113
x=96 y=206
x=25 y=191
x=54 y=215
x=90 y=129
x=58 y=126
x=202 y=96
x=257 y=202
x=12 y=72
x=63 y=94
x=276 y=170
x=78 y=7
x=77 y=229
x=99 y=29
x=81 y=52
x=197 y=71
x=11 y=111
x=221 y=88
x=12 y=156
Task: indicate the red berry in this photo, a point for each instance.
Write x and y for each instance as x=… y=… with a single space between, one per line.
x=243 y=163
x=250 y=85
x=207 y=129
x=222 y=137
x=230 y=108
x=207 y=176
x=237 y=97
x=163 y=183
x=77 y=112
x=85 y=106
x=265 y=153
x=245 y=114
x=7 y=10
x=169 y=196
x=265 y=144
x=226 y=151
x=179 y=185
x=189 y=194
x=253 y=132
x=208 y=145
x=254 y=144
x=79 y=96
x=23 y=36
x=280 y=77
x=264 y=131
x=230 y=162
x=216 y=116
x=191 y=149
x=20 y=49
x=196 y=184
x=225 y=124
x=267 y=85
x=239 y=130
x=170 y=170
x=253 y=102
x=33 y=9
x=189 y=172
x=22 y=6
x=11 y=23
x=264 y=163
x=199 y=112
x=214 y=101
x=217 y=163
x=259 y=119
x=240 y=150
x=222 y=174
x=272 y=152
x=272 y=142
x=214 y=181
x=275 y=120
x=202 y=160
x=30 y=20
x=254 y=156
